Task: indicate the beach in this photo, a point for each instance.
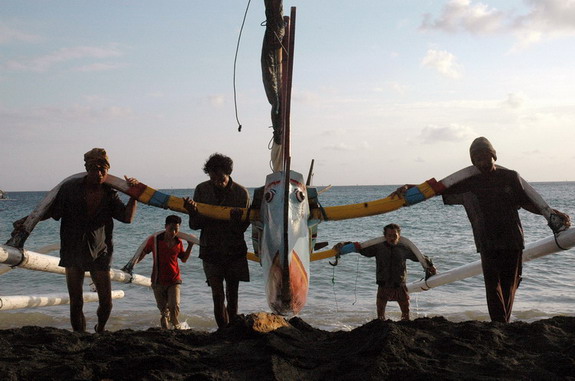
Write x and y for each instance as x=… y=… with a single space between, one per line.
x=425 y=348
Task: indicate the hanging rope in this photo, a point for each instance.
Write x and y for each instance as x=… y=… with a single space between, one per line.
x=333 y=287
x=355 y=286
x=235 y=63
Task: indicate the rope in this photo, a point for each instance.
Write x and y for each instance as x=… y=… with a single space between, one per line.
x=333 y=288
x=355 y=286
x=235 y=63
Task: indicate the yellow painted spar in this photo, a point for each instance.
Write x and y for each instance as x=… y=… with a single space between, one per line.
x=364 y=209
x=369 y=208
x=150 y=196
x=313 y=256
x=323 y=254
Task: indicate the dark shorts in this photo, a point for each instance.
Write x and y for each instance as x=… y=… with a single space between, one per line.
x=234 y=270
x=102 y=263
x=398 y=294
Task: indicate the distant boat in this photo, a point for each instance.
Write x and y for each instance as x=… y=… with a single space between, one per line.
x=3 y=195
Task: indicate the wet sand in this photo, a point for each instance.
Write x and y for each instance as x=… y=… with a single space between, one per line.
x=423 y=349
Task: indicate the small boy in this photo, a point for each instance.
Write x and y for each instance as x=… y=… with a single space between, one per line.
x=166 y=248
x=391 y=270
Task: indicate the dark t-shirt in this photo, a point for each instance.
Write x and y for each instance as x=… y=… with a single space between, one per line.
x=391 y=270
x=221 y=241
x=85 y=242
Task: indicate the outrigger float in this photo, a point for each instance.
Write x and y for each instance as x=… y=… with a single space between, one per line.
x=286 y=211
x=12 y=257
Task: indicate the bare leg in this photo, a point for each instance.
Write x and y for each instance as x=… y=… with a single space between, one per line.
x=218 y=296
x=404 y=306
x=232 y=298
x=75 y=282
x=381 y=302
x=101 y=279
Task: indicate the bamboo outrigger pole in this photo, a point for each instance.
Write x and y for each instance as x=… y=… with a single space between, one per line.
x=30 y=260
x=23 y=301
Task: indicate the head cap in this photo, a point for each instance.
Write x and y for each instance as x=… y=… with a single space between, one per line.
x=482 y=144
x=96 y=156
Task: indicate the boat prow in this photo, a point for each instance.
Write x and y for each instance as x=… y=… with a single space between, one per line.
x=283 y=242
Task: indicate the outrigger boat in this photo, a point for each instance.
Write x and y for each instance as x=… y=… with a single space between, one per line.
x=286 y=211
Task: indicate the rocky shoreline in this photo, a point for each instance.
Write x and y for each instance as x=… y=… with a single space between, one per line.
x=266 y=347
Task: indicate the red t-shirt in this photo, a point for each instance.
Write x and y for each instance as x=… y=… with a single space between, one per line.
x=166 y=270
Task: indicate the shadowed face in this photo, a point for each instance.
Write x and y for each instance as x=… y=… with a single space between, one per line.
x=391 y=236
x=483 y=160
x=97 y=174
x=172 y=230
x=219 y=178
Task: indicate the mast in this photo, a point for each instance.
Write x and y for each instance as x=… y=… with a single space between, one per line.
x=287 y=70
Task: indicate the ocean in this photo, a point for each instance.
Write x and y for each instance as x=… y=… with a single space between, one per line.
x=341 y=297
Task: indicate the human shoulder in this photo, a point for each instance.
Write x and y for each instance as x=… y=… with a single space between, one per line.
x=502 y=171
x=203 y=185
x=406 y=250
x=239 y=188
x=73 y=184
x=202 y=189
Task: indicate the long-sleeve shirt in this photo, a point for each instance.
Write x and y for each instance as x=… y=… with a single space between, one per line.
x=221 y=241
x=492 y=201
x=391 y=269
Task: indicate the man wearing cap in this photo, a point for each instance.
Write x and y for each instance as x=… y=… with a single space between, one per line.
x=86 y=208
x=492 y=199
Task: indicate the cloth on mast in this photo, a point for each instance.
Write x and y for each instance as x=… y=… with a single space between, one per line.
x=271 y=72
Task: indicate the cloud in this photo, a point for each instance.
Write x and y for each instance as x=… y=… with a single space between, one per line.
x=544 y=19
x=398 y=87
x=20 y=120
x=100 y=66
x=216 y=100
x=452 y=133
x=547 y=19
x=337 y=132
x=347 y=147
x=514 y=101
x=444 y=62
x=460 y=15
x=394 y=86
x=63 y=55
x=9 y=35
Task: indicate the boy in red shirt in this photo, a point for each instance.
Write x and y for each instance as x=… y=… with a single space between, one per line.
x=166 y=248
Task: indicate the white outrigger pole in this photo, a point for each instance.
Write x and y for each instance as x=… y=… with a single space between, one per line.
x=19 y=301
x=12 y=257
x=564 y=240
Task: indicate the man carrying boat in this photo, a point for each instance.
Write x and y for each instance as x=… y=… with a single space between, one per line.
x=86 y=208
x=223 y=249
x=166 y=248
x=391 y=269
x=492 y=199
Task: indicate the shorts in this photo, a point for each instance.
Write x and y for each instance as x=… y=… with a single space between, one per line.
x=87 y=263
x=234 y=270
x=398 y=294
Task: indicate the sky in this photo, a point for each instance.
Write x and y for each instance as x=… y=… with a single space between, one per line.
x=384 y=91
